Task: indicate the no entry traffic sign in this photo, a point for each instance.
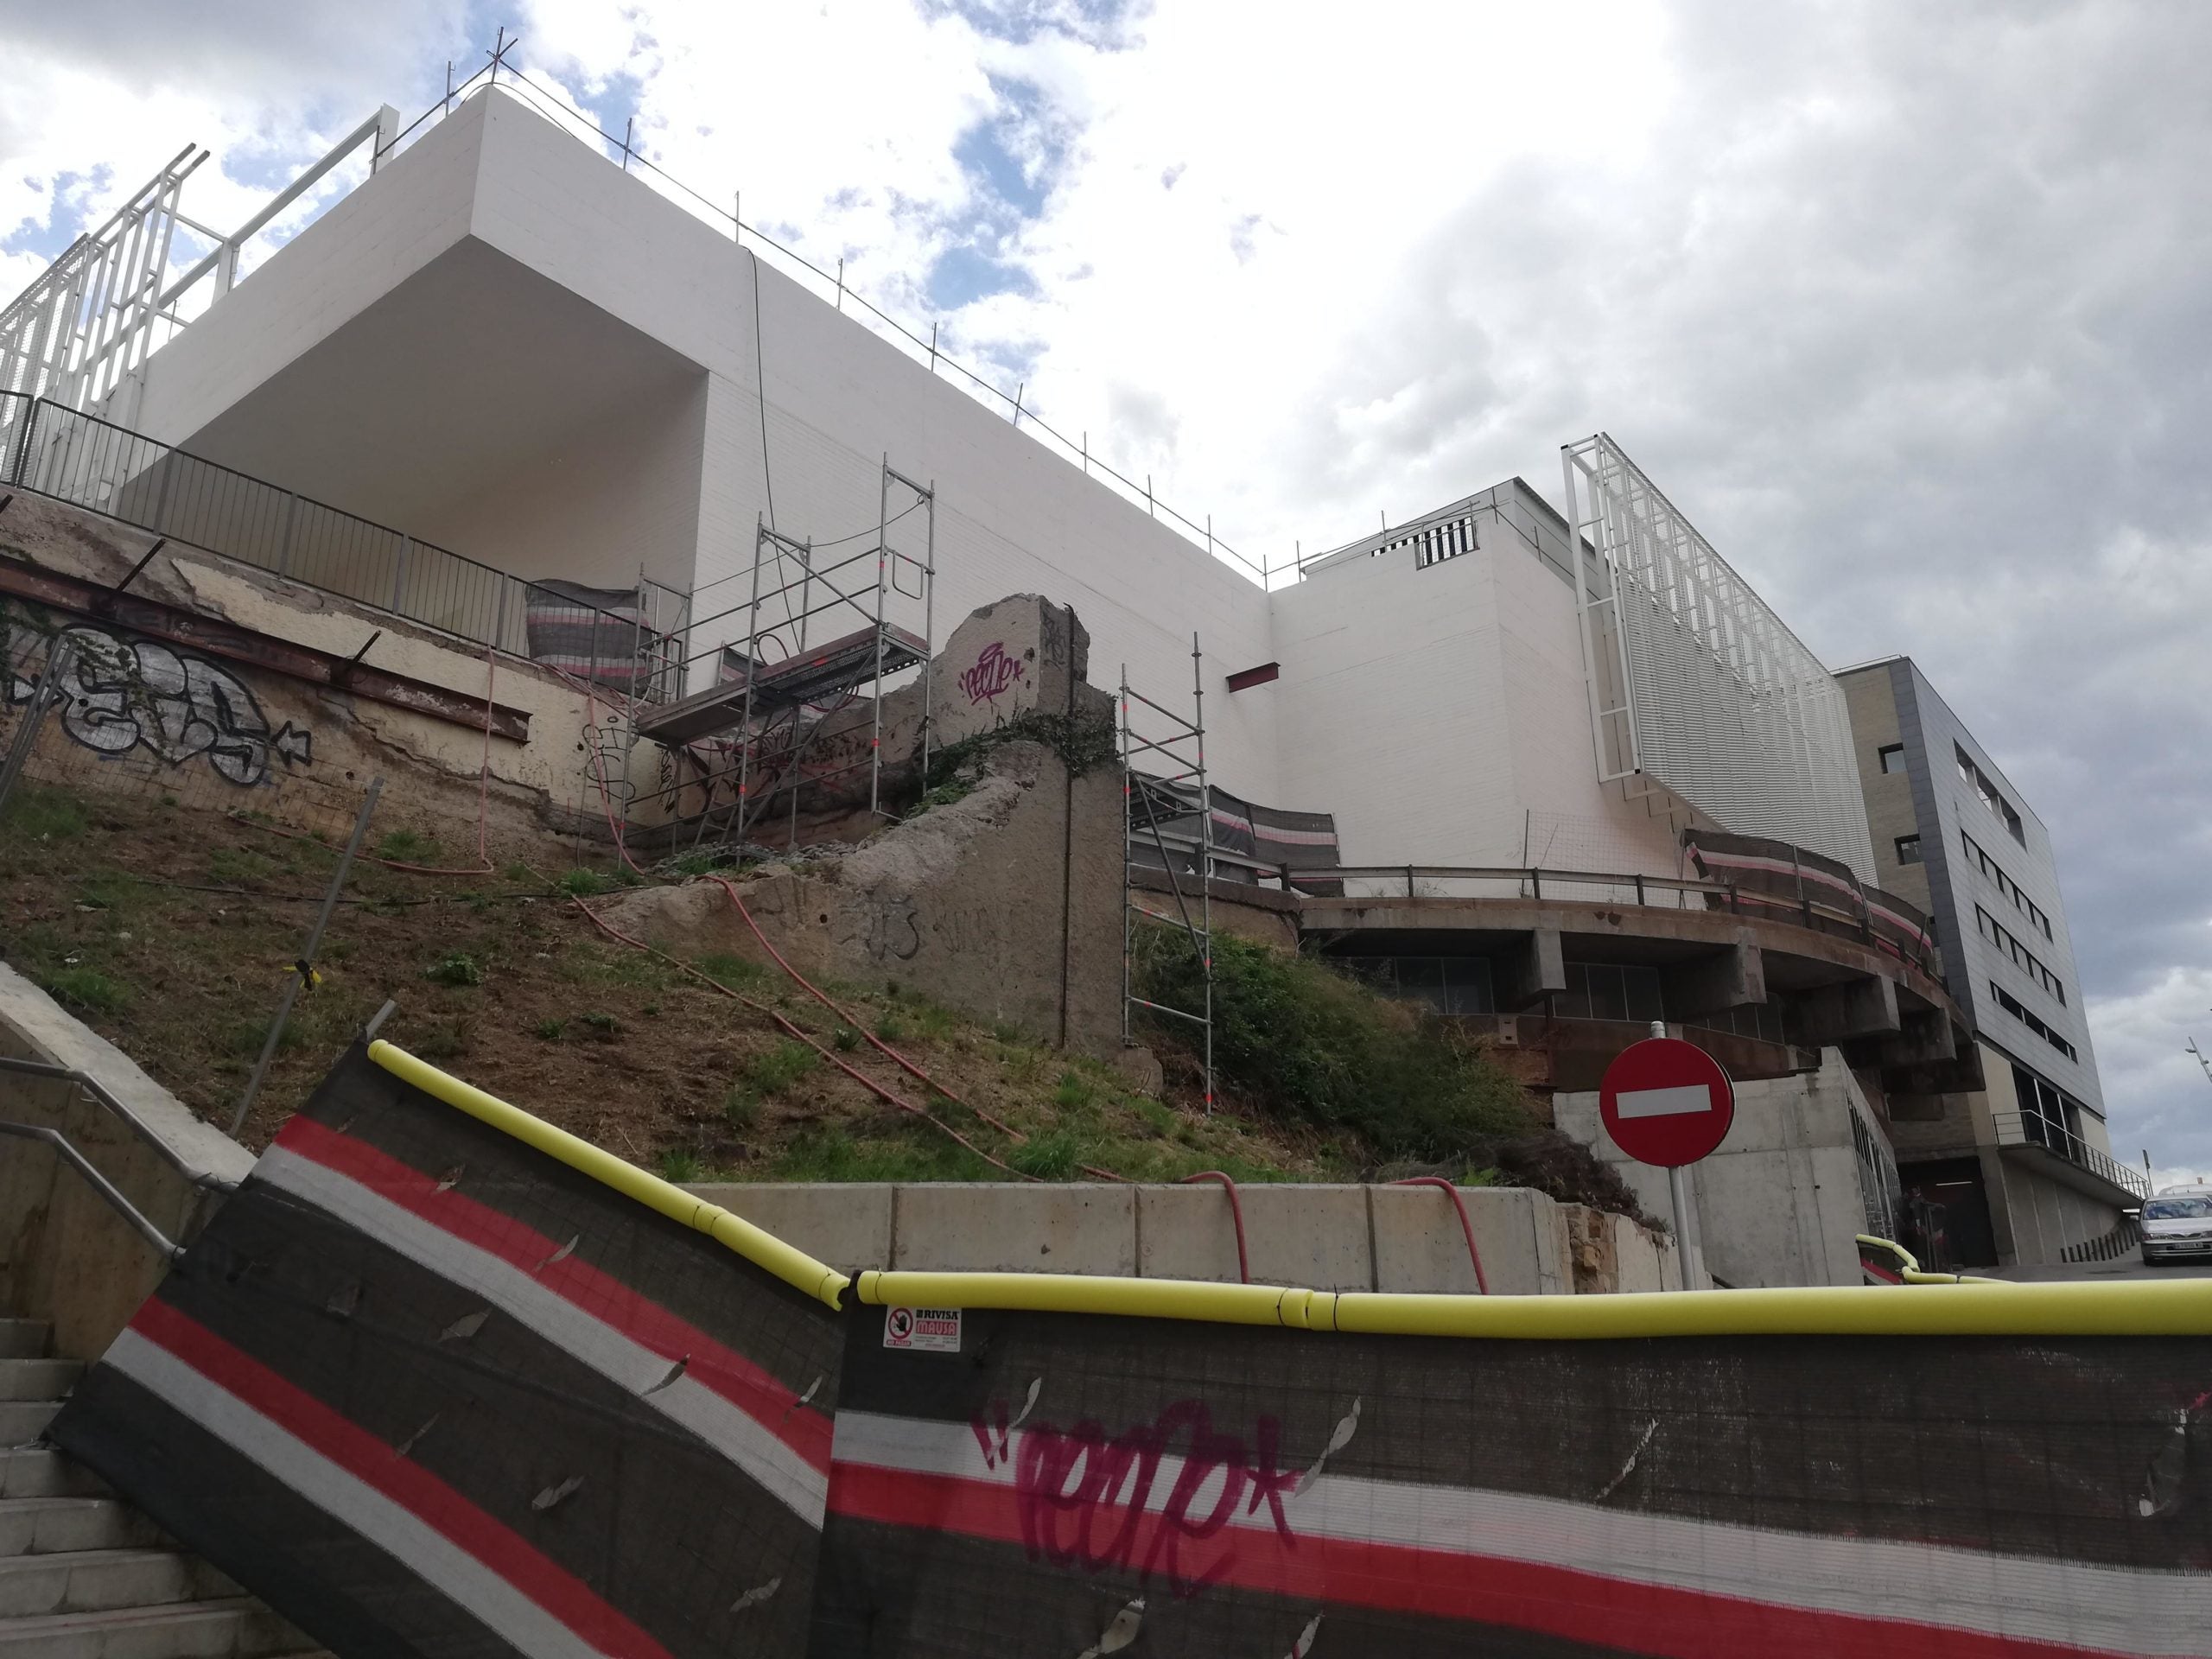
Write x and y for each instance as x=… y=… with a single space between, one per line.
x=1665 y=1102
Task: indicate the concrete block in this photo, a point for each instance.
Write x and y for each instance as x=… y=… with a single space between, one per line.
x=846 y=1225
x=1859 y=1007
x=215 y=1630
x=1733 y=978
x=1314 y=1236
x=1537 y=969
x=38 y=1379
x=1521 y=1235
x=984 y=1228
x=24 y=1338
x=87 y=1581
x=23 y=1421
x=46 y=1526
x=44 y=1474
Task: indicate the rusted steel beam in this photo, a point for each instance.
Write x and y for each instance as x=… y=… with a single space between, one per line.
x=104 y=607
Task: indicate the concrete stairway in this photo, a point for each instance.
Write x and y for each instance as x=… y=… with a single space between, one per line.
x=84 y=1575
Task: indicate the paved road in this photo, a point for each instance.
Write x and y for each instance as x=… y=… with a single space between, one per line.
x=2126 y=1266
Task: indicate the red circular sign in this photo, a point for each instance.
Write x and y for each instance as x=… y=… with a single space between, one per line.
x=1665 y=1102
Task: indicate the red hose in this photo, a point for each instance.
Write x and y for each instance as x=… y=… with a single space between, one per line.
x=1237 y=1215
x=1482 y=1284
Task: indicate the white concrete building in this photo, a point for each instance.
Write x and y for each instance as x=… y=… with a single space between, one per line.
x=505 y=360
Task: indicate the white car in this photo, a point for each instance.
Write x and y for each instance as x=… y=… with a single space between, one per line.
x=2177 y=1226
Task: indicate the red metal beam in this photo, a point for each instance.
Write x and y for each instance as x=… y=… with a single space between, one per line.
x=105 y=607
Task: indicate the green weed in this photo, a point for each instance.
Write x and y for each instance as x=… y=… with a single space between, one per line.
x=37 y=812
x=408 y=847
x=735 y=972
x=85 y=987
x=741 y=1107
x=780 y=1067
x=678 y=1164
x=1052 y=1156
x=845 y=1040
x=605 y=1026
x=455 y=969
x=551 y=1030
x=581 y=883
x=1073 y=1090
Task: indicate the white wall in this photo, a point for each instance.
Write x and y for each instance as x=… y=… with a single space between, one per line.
x=1779 y=1203
x=1441 y=714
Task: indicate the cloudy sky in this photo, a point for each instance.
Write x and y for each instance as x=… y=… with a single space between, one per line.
x=1908 y=306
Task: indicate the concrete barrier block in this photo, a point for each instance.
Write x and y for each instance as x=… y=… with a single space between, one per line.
x=846 y=1225
x=1644 y=1261
x=1521 y=1235
x=979 y=1227
x=1314 y=1236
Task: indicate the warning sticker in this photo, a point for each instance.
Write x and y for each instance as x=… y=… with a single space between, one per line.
x=927 y=1330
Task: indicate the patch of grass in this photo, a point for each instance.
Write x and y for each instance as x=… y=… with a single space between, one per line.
x=592 y=963
x=1319 y=1049
x=245 y=1038
x=1074 y=1090
x=741 y=1106
x=80 y=986
x=241 y=864
x=737 y=973
x=891 y=1028
x=1052 y=1156
x=678 y=1164
x=581 y=883
x=408 y=847
x=1159 y=1119
x=454 y=969
x=443 y=1040
x=845 y=1040
x=519 y=871
x=1012 y=1035
x=930 y=1020
x=906 y=1152
x=551 y=1030
x=605 y=1026
x=38 y=812
x=694 y=863
x=780 y=1067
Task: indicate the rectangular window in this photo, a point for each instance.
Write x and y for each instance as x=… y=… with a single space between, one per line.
x=1892 y=757
x=1908 y=850
x=1991 y=796
x=2013 y=1005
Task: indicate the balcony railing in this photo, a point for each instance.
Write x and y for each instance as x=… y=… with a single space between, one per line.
x=2033 y=1129
x=49 y=449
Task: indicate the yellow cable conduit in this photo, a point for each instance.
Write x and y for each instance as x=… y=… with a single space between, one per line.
x=1948 y=1306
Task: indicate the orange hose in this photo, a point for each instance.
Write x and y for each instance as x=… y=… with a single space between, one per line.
x=1235 y=1214
x=1482 y=1284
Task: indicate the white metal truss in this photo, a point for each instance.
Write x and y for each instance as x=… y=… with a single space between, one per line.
x=1696 y=686
x=80 y=335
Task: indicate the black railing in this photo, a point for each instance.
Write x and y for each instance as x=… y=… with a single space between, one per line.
x=49 y=449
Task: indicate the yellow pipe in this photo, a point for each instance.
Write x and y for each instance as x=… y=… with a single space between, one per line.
x=1911 y=1271
x=763 y=1249
x=1069 y=1293
x=2180 y=1308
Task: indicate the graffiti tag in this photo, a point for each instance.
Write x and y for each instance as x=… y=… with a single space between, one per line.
x=121 y=694
x=1087 y=1500
x=993 y=673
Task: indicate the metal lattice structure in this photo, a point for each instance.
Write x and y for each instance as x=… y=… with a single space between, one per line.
x=1148 y=801
x=1697 y=689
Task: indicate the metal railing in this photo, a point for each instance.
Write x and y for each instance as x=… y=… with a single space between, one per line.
x=47 y=1070
x=99 y=1183
x=2033 y=1129
x=49 y=449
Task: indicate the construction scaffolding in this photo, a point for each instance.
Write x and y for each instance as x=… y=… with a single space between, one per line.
x=1154 y=798
x=778 y=686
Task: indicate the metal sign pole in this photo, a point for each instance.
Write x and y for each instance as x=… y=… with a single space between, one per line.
x=1690 y=1255
x=303 y=970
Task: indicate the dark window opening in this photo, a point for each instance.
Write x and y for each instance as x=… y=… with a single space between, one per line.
x=1908 y=850
x=1892 y=755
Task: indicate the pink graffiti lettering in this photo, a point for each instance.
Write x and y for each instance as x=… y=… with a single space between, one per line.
x=1086 y=1500
x=993 y=673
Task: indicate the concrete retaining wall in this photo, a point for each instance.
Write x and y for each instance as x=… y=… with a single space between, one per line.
x=64 y=1256
x=1324 y=1237
x=1780 y=1201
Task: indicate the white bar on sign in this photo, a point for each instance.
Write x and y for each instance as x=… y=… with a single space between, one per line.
x=1666 y=1103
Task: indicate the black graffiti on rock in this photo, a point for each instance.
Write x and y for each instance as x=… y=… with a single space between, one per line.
x=121 y=694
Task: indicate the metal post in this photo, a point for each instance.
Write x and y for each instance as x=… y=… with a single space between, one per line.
x=58 y=661
x=929 y=622
x=1129 y=833
x=752 y=665
x=298 y=979
x=399 y=575
x=1205 y=852
x=882 y=565
x=284 y=548
x=1690 y=1253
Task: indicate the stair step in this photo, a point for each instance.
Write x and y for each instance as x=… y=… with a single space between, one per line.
x=44 y=1473
x=24 y=1338
x=231 y=1629
x=95 y=1581
x=46 y=1526
x=23 y=1421
x=38 y=1379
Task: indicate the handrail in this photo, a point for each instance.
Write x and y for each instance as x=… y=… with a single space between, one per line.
x=2056 y=1138
x=100 y=1183
x=137 y=1125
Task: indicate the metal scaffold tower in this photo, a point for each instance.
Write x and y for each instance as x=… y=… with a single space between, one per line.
x=1148 y=799
x=779 y=683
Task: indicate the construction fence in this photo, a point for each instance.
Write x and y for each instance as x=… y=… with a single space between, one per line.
x=440 y=1378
